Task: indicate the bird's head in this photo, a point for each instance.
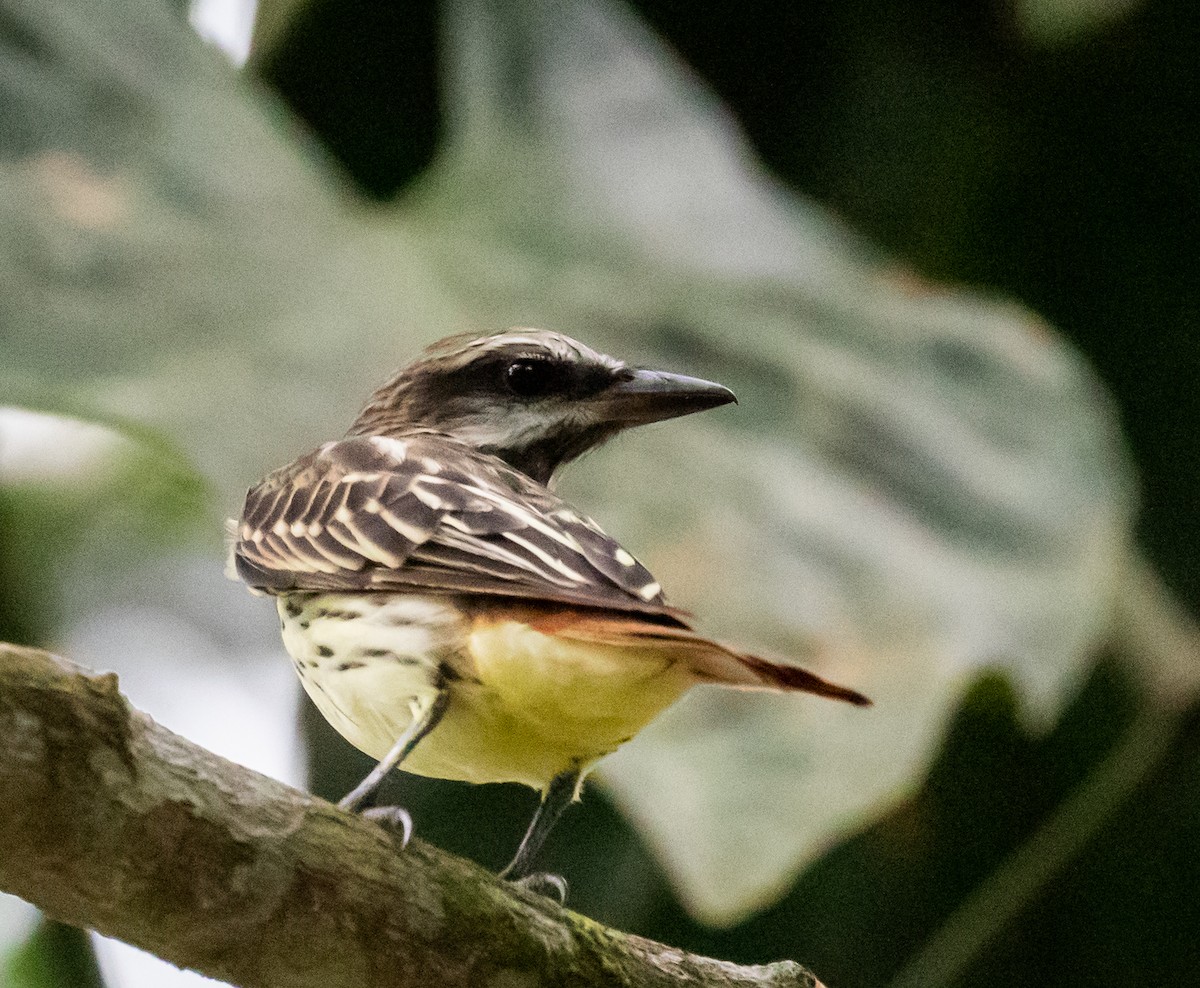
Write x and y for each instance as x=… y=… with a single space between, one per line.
x=534 y=398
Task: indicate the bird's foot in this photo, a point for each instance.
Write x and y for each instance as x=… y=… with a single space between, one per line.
x=394 y=818
x=543 y=883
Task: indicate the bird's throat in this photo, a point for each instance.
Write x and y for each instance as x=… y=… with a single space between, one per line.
x=541 y=458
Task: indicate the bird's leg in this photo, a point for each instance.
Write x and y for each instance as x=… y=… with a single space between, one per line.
x=395 y=816
x=557 y=797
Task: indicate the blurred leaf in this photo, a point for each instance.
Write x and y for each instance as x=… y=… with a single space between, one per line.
x=56 y=956
x=919 y=483
x=175 y=254
x=1056 y=22
x=18 y=921
x=1112 y=891
x=78 y=498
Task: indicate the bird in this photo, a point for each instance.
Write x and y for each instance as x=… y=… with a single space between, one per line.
x=448 y=613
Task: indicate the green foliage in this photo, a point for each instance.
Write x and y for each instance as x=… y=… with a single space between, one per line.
x=143 y=501
x=56 y=956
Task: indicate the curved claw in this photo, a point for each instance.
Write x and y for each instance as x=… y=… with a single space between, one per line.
x=392 y=818
x=544 y=883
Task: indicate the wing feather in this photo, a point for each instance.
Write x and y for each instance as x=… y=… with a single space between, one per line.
x=324 y=542
x=427 y=512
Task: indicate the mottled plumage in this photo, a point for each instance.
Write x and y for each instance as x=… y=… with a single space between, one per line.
x=426 y=512
x=445 y=609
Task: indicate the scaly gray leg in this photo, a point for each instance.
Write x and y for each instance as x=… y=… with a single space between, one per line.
x=395 y=816
x=557 y=797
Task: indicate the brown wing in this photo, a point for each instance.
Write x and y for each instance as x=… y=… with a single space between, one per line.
x=424 y=512
x=710 y=661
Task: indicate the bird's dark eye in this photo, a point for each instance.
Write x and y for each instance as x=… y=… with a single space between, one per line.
x=531 y=378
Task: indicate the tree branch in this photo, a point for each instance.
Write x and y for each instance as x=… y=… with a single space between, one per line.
x=111 y=822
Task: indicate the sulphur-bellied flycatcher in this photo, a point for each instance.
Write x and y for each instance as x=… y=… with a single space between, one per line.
x=445 y=610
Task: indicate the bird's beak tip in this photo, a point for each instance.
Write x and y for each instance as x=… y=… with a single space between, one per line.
x=651 y=396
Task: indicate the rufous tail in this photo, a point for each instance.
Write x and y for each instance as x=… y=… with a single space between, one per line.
x=775 y=675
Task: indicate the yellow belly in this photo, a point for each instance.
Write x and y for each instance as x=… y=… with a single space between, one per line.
x=524 y=706
x=541 y=705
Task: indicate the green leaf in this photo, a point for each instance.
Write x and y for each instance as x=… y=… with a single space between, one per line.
x=1060 y=22
x=81 y=502
x=56 y=956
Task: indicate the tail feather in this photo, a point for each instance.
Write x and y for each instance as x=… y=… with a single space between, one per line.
x=776 y=676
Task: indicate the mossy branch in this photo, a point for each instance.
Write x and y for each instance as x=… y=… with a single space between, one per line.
x=109 y=821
